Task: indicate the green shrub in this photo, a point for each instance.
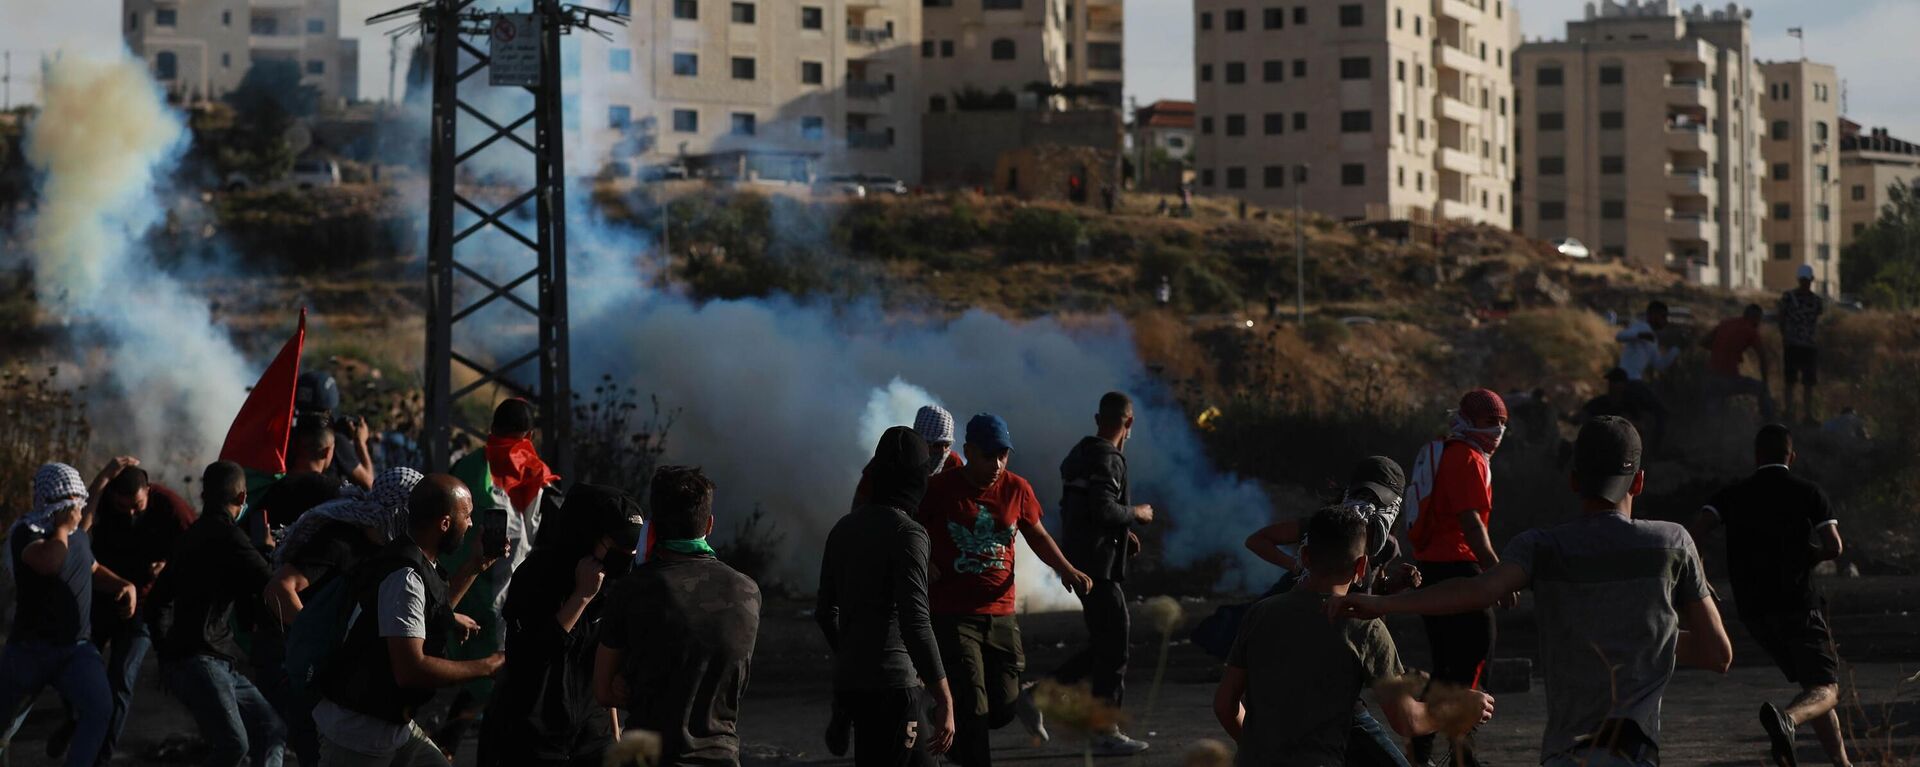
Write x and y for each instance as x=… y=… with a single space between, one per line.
x=1540 y=346
x=1041 y=234
x=1326 y=333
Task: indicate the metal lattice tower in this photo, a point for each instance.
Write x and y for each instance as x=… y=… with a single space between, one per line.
x=449 y=27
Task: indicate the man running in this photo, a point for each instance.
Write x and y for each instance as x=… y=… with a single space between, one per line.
x=1729 y=343
x=1098 y=514
x=1450 y=542
x=1619 y=602
x=1800 y=311
x=1641 y=353
x=971 y=516
x=1770 y=518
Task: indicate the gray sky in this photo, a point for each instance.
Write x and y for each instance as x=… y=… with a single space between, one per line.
x=1869 y=40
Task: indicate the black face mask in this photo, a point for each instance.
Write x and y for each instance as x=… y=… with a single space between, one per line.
x=616 y=563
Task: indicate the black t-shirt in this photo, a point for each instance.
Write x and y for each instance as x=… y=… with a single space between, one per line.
x=687 y=629
x=130 y=545
x=335 y=548
x=1770 y=519
x=291 y=496
x=543 y=707
x=52 y=608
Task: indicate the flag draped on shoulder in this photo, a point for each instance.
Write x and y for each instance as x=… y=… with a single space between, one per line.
x=257 y=440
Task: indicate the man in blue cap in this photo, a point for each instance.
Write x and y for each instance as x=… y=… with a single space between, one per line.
x=971 y=515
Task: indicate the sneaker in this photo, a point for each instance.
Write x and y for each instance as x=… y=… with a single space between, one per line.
x=1029 y=714
x=1780 y=731
x=839 y=733
x=1116 y=743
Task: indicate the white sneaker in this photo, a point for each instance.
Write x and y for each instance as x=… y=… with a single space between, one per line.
x=1116 y=743
x=1030 y=716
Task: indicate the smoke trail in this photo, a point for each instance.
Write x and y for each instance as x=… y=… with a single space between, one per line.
x=102 y=141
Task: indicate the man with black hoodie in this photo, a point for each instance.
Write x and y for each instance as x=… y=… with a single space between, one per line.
x=1098 y=516
x=872 y=606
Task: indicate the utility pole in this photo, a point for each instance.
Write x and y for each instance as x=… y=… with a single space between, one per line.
x=1300 y=245
x=393 y=66
x=6 y=84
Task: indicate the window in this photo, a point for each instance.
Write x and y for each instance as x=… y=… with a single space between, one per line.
x=1549 y=76
x=1820 y=131
x=619 y=117
x=1859 y=229
x=1273 y=18
x=1299 y=121
x=620 y=59
x=686 y=121
x=1236 y=125
x=811 y=17
x=1206 y=21
x=1483 y=53
x=1273 y=71
x=1206 y=177
x=1206 y=73
x=1782 y=212
x=1786 y=91
x=1400 y=22
x=926 y=49
x=1003 y=49
x=1402 y=120
x=1859 y=192
x=1613 y=210
x=165 y=17
x=946 y=49
x=1000 y=5
x=1206 y=126
x=813 y=128
x=1552 y=121
x=1103 y=57
x=1418 y=29
x=743 y=123
x=1421 y=127
x=1299 y=68
x=1420 y=75
x=1236 y=72
x=743 y=13
x=1780 y=130
x=1553 y=166
x=1356 y=68
x=1235 y=20
x=937 y=104
x=1612 y=75
x=1273 y=176
x=1782 y=171
x=1613 y=165
x=686 y=64
x=226 y=61
x=1783 y=251
x=1352 y=16
x=166 y=66
x=1419 y=181
x=1236 y=178
x=226 y=18
x=1353 y=174
x=813 y=73
x=1613 y=120
x=316 y=67
x=1553 y=211
x=743 y=68
x=1360 y=121
x=1400 y=176
x=1299 y=15
x=1176 y=142
x=1822 y=174
x=1825 y=251
x=1499 y=58
x=686 y=9
x=1825 y=212
x=316 y=26
x=1400 y=71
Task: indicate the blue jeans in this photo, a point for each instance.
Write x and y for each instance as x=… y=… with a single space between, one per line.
x=238 y=724
x=1370 y=745
x=1593 y=757
x=126 y=650
x=76 y=672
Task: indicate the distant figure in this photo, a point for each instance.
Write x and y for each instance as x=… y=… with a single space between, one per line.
x=1729 y=342
x=1162 y=209
x=1163 y=295
x=1108 y=197
x=1642 y=354
x=1800 y=310
x=1770 y=518
x=1186 y=199
x=1849 y=424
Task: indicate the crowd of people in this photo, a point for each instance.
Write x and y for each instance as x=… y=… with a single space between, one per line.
x=314 y=616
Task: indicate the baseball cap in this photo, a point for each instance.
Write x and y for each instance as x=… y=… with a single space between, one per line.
x=1606 y=458
x=1806 y=271
x=989 y=431
x=315 y=391
x=1381 y=475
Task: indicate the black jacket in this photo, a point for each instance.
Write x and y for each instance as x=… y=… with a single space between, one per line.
x=212 y=567
x=1096 y=510
x=542 y=707
x=360 y=675
x=872 y=602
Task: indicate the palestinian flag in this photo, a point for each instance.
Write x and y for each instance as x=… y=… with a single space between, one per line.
x=257 y=440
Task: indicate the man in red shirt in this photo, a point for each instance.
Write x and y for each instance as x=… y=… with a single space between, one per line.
x=971 y=516
x=1729 y=343
x=1450 y=541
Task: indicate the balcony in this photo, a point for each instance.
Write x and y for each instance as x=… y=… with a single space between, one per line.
x=277 y=5
x=1458 y=210
x=1687 y=91
x=868 y=140
x=862 y=89
x=1458 y=161
x=283 y=43
x=1688 y=136
x=1690 y=226
x=1459 y=111
x=1469 y=11
x=1692 y=181
x=1449 y=57
x=865 y=36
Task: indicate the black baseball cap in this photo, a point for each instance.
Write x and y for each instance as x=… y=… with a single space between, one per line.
x=1606 y=458
x=1381 y=475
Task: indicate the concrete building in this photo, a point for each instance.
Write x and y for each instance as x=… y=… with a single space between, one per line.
x=990 y=46
x=826 y=85
x=1871 y=162
x=1801 y=116
x=1640 y=135
x=1164 y=127
x=1401 y=108
x=200 y=49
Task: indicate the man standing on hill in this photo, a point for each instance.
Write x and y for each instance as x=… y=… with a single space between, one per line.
x=1771 y=518
x=1097 y=515
x=1618 y=600
x=971 y=516
x=1800 y=310
x=1729 y=343
x=1641 y=353
x=1450 y=542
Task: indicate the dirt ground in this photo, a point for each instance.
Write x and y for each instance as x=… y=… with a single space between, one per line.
x=1707 y=719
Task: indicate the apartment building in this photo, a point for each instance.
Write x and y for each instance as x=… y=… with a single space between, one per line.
x=1372 y=109
x=1801 y=116
x=827 y=85
x=1871 y=163
x=1640 y=135
x=200 y=49
x=973 y=48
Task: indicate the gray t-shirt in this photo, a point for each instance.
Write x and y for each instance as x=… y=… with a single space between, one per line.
x=1607 y=591
x=1303 y=675
x=403 y=613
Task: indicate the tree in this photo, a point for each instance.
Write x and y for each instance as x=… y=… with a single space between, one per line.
x=268 y=101
x=1883 y=263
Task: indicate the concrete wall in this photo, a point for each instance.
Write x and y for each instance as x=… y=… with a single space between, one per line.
x=964 y=148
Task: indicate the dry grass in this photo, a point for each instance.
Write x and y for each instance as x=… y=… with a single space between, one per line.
x=40 y=421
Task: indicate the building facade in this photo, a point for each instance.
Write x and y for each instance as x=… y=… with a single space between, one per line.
x=826 y=85
x=1871 y=163
x=1375 y=109
x=1801 y=114
x=200 y=49
x=1640 y=135
x=974 y=49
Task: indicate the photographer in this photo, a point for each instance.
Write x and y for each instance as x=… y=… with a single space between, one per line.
x=316 y=396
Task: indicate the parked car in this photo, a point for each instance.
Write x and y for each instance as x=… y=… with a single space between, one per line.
x=883 y=185
x=671 y=171
x=1571 y=248
x=847 y=184
x=306 y=174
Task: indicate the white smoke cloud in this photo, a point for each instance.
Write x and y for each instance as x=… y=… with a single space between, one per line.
x=105 y=138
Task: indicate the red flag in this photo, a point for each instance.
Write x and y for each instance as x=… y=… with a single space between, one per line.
x=257 y=439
